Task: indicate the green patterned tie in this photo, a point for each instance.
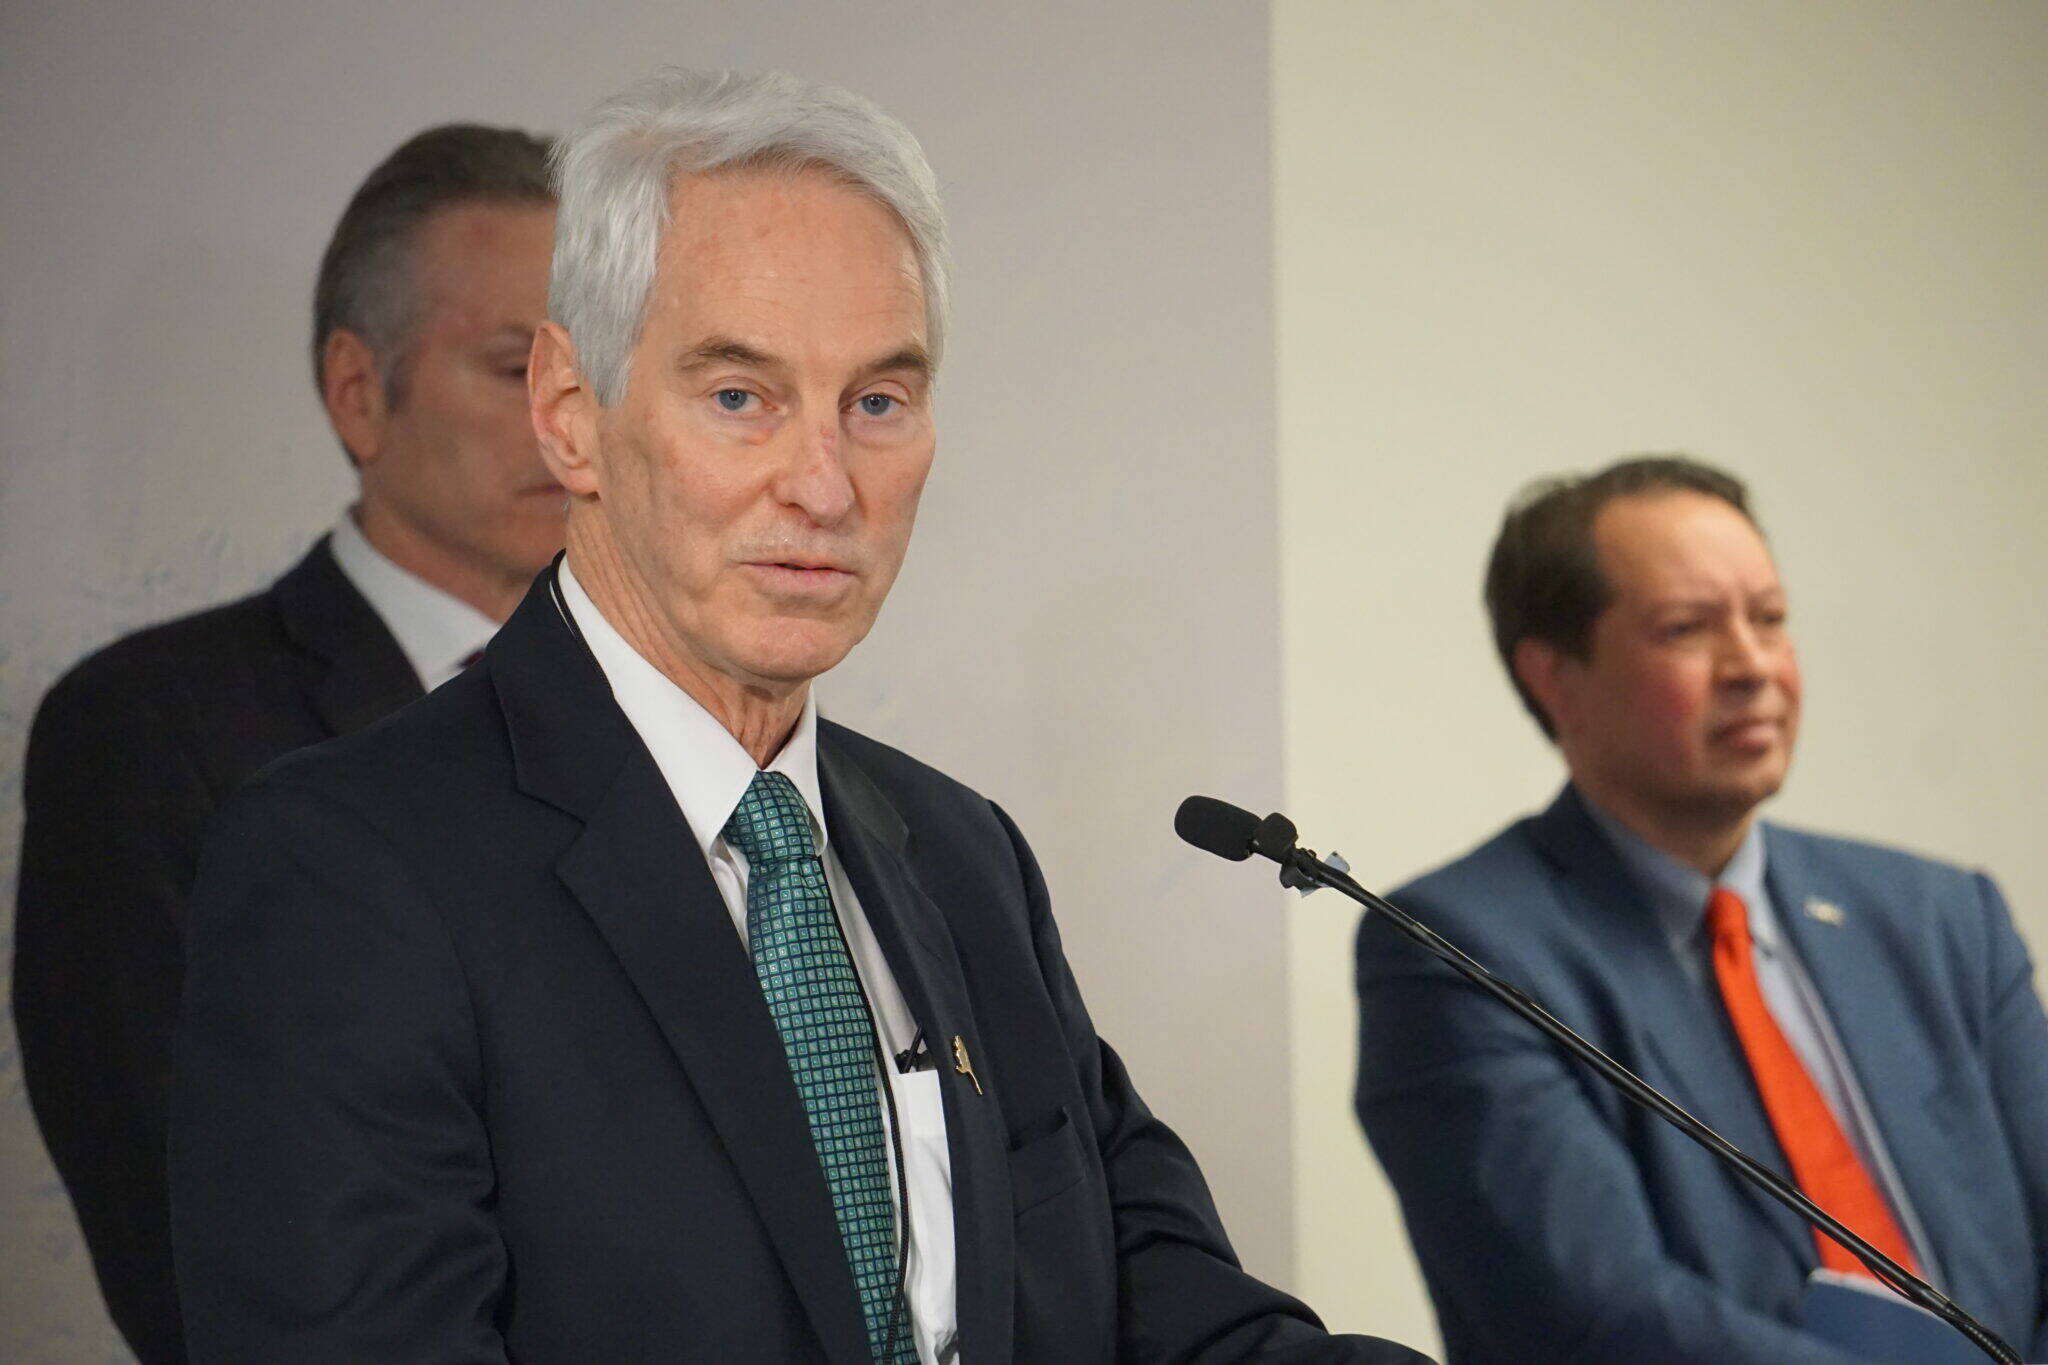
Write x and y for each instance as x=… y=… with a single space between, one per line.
x=815 y=997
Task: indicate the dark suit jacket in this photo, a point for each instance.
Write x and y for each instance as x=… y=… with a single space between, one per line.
x=475 y=1069
x=1557 y=1222
x=130 y=755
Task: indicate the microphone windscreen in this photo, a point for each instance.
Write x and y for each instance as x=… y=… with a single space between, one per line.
x=1216 y=827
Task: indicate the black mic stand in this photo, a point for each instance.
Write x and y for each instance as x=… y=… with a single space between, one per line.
x=1302 y=870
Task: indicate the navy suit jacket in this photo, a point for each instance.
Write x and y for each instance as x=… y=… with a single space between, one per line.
x=475 y=1069
x=1557 y=1222
x=131 y=754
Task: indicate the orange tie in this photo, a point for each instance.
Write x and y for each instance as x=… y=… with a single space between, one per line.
x=1824 y=1165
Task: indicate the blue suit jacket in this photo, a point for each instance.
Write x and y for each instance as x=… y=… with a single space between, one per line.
x=1557 y=1222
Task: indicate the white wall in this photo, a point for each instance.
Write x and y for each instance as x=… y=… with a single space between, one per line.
x=1086 y=629
x=1801 y=240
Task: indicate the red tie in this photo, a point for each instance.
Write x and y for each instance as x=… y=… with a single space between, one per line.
x=1824 y=1165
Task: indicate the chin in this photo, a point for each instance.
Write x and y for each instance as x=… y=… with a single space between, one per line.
x=523 y=556
x=539 y=547
x=794 y=655
x=1739 y=794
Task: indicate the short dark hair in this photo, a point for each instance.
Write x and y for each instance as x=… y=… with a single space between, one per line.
x=366 y=282
x=1543 y=580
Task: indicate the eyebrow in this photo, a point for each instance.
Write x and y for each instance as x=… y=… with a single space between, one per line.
x=1711 y=603
x=720 y=351
x=509 y=334
x=913 y=358
x=726 y=351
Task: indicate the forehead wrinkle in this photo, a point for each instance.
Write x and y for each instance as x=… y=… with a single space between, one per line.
x=476 y=243
x=1706 y=550
x=770 y=299
x=1692 y=587
x=743 y=274
x=755 y=329
x=789 y=207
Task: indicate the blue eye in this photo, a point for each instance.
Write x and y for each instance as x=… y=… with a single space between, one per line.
x=733 y=400
x=876 y=404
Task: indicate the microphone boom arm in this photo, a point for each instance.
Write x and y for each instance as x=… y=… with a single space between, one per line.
x=1301 y=868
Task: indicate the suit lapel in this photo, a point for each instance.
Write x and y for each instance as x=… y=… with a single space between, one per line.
x=637 y=872
x=362 y=675
x=1702 y=1065
x=1858 y=977
x=873 y=842
x=640 y=877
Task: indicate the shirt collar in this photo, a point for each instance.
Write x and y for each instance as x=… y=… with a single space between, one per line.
x=1678 y=894
x=435 y=630
x=702 y=763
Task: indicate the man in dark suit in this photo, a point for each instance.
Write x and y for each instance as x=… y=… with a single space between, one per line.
x=1859 y=1019
x=426 y=304
x=608 y=1005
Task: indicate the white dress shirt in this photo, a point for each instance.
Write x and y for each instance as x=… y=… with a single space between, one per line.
x=709 y=772
x=436 y=631
x=1679 y=896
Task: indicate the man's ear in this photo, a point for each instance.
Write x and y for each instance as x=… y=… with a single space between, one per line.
x=1539 y=666
x=352 y=390
x=564 y=410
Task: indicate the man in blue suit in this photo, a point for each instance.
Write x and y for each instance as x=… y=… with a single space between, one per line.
x=1728 y=962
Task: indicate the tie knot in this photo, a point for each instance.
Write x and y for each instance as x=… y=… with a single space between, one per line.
x=772 y=824
x=1727 y=917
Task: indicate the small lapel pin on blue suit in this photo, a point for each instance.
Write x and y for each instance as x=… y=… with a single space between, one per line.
x=1826 y=911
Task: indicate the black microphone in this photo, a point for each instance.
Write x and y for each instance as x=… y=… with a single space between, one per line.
x=1216 y=827
x=1234 y=833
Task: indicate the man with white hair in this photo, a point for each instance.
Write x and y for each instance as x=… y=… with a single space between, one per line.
x=610 y=1004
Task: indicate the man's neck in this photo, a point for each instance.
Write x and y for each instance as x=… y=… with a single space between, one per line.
x=760 y=716
x=493 y=593
x=1703 y=841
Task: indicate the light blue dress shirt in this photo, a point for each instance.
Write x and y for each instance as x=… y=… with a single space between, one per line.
x=1678 y=894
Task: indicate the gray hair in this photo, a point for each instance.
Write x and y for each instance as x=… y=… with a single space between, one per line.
x=366 y=283
x=616 y=171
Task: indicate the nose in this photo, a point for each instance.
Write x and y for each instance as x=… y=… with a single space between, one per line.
x=816 y=481
x=1745 y=655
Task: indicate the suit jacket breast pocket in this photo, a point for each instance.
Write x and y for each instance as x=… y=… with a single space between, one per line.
x=1046 y=1165
x=1066 y=1248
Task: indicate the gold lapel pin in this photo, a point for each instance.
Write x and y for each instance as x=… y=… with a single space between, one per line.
x=1826 y=911
x=962 y=1065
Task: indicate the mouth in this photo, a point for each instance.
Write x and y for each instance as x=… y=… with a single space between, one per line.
x=1752 y=734
x=800 y=577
